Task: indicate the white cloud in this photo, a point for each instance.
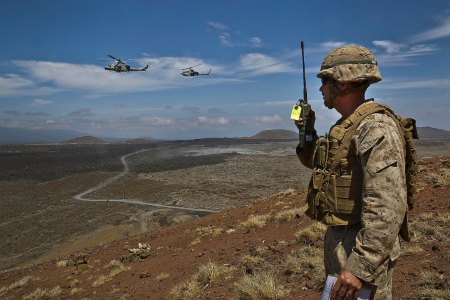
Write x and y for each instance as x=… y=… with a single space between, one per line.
x=400 y=55
x=13 y=85
x=255 y=42
x=12 y=112
x=262 y=120
x=332 y=45
x=390 y=46
x=163 y=73
x=217 y=25
x=260 y=64
x=213 y=121
x=413 y=84
x=278 y=103
x=225 y=40
x=216 y=110
x=191 y=109
x=84 y=112
x=39 y=102
x=39 y=113
x=442 y=31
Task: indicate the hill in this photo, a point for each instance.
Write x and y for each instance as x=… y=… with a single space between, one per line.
x=84 y=140
x=263 y=247
x=430 y=132
x=275 y=134
x=33 y=136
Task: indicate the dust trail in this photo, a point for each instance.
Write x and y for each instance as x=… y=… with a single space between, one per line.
x=80 y=196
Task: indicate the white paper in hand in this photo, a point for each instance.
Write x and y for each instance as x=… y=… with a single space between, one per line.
x=364 y=294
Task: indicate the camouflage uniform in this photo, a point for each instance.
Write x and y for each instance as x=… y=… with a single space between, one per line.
x=369 y=250
x=367 y=245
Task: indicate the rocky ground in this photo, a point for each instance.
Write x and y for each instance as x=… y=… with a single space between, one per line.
x=44 y=231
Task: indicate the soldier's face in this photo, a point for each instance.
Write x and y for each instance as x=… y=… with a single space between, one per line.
x=325 y=89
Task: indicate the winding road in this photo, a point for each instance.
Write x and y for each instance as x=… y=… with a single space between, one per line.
x=80 y=196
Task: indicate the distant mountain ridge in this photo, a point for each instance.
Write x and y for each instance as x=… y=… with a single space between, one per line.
x=275 y=134
x=34 y=136
x=431 y=132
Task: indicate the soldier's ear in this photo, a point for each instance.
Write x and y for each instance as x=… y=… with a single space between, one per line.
x=344 y=86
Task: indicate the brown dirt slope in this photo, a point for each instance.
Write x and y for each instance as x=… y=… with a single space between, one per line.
x=239 y=252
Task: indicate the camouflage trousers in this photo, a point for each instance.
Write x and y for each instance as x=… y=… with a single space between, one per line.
x=338 y=244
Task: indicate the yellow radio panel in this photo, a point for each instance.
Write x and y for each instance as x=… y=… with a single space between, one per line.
x=296 y=111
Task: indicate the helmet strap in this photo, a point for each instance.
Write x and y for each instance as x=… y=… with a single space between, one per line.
x=335 y=92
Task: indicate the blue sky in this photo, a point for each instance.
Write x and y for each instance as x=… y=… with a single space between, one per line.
x=51 y=76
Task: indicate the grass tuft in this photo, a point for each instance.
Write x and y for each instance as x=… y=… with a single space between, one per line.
x=308 y=235
x=255 y=222
x=162 y=276
x=207 y=275
x=434 y=286
x=42 y=294
x=288 y=214
x=307 y=260
x=18 y=284
x=261 y=286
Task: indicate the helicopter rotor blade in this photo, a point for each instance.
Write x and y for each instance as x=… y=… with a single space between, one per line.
x=113 y=57
x=191 y=67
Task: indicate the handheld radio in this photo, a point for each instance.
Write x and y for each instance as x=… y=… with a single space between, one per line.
x=301 y=110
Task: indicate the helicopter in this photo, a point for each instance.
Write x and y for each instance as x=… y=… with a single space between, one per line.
x=190 y=72
x=121 y=66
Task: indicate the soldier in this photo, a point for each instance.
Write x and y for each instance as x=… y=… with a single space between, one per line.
x=358 y=186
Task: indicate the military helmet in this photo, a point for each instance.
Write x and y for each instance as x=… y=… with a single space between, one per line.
x=350 y=64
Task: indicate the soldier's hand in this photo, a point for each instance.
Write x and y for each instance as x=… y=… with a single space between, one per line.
x=299 y=122
x=346 y=287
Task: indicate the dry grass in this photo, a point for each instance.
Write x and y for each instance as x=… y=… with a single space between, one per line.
x=288 y=214
x=61 y=264
x=205 y=231
x=308 y=235
x=116 y=267
x=196 y=241
x=162 y=276
x=18 y=284
x=422 y=168
x=208 y=230
x=75 y=291
x=307 y=260
x=434 y=286
x=255 y=222
x=185 y=290
x=411 y=250
x=428 y=227
x=261 y=286
x=207 y=275
x=251 y=259
x=439 y=179
x=101 y=280
x=42 y=294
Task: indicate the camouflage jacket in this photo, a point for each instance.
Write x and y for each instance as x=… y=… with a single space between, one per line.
x=378 y=147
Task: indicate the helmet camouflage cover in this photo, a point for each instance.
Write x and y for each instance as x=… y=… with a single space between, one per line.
x=350 y=64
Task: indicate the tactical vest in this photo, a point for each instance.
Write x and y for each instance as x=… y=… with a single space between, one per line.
x=335 y=189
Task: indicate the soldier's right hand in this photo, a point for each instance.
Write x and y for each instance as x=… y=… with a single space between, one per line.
x=299 y=122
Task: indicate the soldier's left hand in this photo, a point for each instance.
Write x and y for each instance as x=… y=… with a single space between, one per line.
x=346 y=287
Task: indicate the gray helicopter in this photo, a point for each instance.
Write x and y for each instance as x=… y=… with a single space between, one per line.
x=190 y=72
x=121 y=66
